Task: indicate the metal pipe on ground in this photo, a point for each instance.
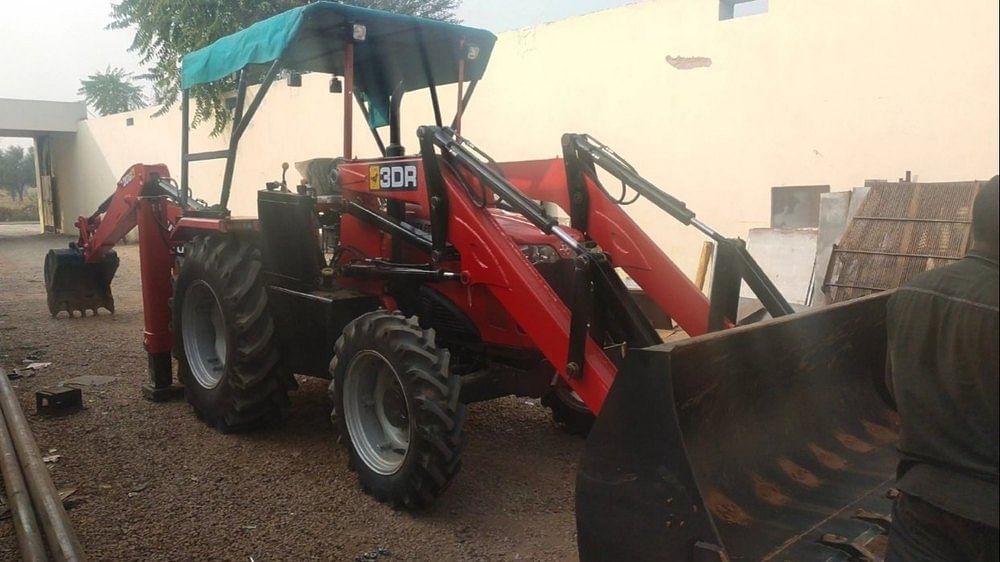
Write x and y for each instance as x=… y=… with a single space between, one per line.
x=29 y=536
x=59 y=534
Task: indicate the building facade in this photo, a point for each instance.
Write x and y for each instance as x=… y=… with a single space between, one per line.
x=714 y=110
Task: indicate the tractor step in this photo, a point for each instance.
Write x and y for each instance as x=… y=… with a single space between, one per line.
x=72 y=284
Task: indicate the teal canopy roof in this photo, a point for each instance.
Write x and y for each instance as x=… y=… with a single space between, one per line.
x=398 y=52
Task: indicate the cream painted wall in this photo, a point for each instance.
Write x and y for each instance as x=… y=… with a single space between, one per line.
x=813 y=92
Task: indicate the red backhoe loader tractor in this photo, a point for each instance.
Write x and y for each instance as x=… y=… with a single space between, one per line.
x=420 y=282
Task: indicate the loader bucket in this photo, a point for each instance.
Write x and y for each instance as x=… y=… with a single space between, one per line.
x=764 y=442
x=72 y=284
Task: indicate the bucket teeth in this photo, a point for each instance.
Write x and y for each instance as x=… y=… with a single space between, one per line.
x=73 y=285
x=82 y=308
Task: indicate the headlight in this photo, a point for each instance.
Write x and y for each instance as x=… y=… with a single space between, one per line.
x=541 y=253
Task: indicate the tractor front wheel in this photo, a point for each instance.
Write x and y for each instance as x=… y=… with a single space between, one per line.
x=397 y=403
x=224 y=336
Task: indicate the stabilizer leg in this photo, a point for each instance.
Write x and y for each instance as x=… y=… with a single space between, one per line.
x=156 y=260
x=161 y=387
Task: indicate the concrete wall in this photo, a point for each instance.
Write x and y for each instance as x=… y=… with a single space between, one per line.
x=27 y=118
x=716 y=112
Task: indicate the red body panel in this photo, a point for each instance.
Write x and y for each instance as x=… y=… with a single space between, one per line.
x=492 y=319
x=187 y=227
x=503 y=294
x=628 y=246
x=366 y=177
x=490 y=257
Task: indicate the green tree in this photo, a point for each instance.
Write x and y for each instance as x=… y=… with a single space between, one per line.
x=165 y=30
x=17 y=170
x=111 y=91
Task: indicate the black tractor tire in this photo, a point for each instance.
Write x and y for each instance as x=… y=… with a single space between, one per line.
x=568 y=412
x=246 y=386
x=404 y=354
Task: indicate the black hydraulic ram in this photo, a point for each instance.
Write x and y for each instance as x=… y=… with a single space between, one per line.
x=393 y=226
x=733 y=262
x=379 y=269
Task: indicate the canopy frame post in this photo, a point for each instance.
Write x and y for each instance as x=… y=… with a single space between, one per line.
x=425 y=62
x=395 y=147
x=349 y=100
x=375 y=134
x=241 y=121
x=457 y=125
x=185 y=147
x=234 y=140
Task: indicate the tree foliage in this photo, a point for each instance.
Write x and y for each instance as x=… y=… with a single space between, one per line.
x=111 y=91
x=17 y=170
x=165 y=30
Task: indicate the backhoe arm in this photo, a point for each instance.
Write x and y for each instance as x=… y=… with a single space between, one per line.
x=117 y=215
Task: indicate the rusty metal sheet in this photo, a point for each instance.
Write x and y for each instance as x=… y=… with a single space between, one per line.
x=900 y=230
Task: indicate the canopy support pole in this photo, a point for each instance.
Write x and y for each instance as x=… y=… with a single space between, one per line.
x=241 y=120
x=378 y=137
x=425 y=62
x=185 y=147
x=349 y=100
x=457 y=125
x=463 y=105
x=234 y=140
x=258 y=98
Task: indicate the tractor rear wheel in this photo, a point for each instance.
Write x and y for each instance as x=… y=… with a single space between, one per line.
x=224 y=336
x=397 y=403
x=569 y=412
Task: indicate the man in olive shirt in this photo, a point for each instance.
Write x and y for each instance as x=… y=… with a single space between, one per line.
x=942 y=373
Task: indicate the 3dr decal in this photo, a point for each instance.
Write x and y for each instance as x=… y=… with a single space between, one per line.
x=392 y=178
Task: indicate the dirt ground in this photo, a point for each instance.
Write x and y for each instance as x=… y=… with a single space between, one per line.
x=154 y=483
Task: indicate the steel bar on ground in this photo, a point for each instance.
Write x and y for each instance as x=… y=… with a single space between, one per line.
x=62 y=540
x=29 y=535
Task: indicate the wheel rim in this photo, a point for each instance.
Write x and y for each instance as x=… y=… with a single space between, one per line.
x=570 y=398
x=203 y=327
x=376 y=412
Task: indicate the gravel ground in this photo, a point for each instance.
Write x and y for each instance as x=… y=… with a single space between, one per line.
x=154 y=483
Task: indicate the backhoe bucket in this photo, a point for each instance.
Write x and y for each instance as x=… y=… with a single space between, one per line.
x=764 y=442
x=72 y=284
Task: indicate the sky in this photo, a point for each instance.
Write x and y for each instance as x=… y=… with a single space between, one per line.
x=48 y=46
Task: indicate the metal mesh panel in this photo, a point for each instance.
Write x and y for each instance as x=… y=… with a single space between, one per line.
x=899 y=231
